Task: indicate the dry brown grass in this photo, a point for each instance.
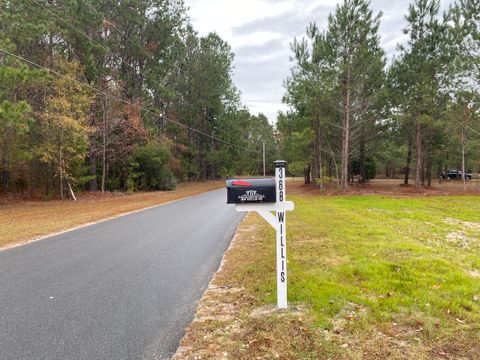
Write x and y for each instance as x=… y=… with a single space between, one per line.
x=22 y=221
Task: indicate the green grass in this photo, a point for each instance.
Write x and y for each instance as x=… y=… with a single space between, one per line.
x=381 y=277
x=396 y=263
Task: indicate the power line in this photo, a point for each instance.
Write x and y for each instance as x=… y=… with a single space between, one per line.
x=120 y=99
x=109 y=51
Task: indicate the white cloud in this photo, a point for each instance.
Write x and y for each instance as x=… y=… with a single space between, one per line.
x=269 y=109
x=221 y=16
x=260 y=33
x=256 y=38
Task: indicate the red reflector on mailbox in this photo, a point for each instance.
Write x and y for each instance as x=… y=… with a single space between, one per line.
x=241 y=183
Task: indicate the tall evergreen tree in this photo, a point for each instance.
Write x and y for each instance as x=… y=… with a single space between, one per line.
x=418 y=71
x=341 y=68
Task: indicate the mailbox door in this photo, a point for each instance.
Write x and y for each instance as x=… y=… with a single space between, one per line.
x=251 y=191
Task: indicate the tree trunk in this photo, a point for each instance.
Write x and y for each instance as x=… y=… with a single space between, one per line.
x=70 y=190
x=92 y=151
x=350 y=173
x=60 y=173
x=429 y=168
x=104 y=145
x=409 y=159
x=320 y=168
x=419 y=167
x=306 y=173
x=92 y=159
x=48 y=177
x=33 y=179
x=428 y=159
x=346 y=134
x=361 y=159
x=464 y=178
x=5 y=174
x=318 y=152
x=335 y=164
x=423 y=168
x=313 y=175
x=104 y=168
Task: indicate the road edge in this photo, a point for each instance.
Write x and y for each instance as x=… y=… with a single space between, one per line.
x=179 y=353
x=43 y=237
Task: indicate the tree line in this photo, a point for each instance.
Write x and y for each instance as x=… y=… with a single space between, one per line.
x=354 y=113
x=118 y=95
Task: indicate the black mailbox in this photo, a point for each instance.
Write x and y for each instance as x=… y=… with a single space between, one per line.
x=251 y=191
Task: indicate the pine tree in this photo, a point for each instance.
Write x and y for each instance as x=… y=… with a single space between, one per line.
x=16 y=79
x=418 y=72
x=341 y=68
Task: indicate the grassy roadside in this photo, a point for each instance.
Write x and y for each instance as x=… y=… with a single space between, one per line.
x=370 y=277
x=21 y=221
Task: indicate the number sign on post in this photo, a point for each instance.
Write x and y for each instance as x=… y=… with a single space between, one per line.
x=281 y=238
x=258 y=195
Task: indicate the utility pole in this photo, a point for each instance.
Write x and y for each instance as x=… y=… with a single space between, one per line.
x=263 y=158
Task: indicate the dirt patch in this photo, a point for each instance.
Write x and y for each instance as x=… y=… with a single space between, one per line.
x=350 y=312
x=474 y=273
x=466 y=224
x=464 y=237
x=459 y=238
x=272 y=310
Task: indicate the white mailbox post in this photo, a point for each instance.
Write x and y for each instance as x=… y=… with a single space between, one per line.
x=278 y=222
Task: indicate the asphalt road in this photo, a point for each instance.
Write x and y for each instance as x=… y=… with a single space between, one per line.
x=121 y=289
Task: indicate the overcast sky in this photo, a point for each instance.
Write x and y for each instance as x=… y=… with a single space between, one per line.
x=260 y=33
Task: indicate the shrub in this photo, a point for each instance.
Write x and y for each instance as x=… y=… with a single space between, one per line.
x=370 y=168
x=150 y=166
